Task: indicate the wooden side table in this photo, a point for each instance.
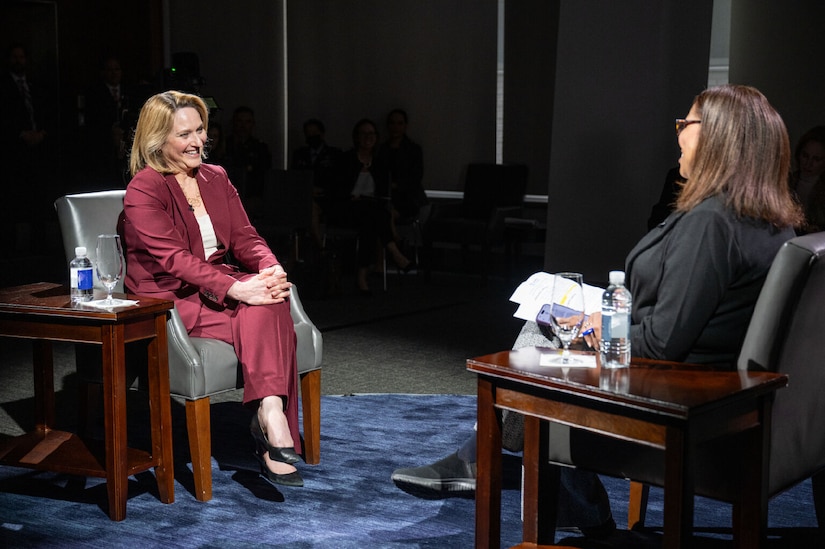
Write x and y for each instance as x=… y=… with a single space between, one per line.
x=43 y=312
x=667 y=408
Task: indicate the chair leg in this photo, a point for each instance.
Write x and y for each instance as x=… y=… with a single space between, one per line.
x=637 y=506
x=818 y=485
x=200 y=446
x=311 y=405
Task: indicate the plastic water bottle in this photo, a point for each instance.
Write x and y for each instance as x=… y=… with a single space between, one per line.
x=614 y=346
x=81 y=276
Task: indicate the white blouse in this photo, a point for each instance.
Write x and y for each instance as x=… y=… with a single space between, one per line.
x=210 y=240
x=365 y=185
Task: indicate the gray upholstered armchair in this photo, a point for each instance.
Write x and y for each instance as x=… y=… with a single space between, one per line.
x=785 y=335
x=199 y=367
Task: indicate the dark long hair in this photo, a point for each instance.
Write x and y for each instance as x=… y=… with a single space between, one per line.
x=744 y=153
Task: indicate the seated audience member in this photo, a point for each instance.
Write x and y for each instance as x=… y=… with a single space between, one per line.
x=28 y=146
x=667 y=198
x=406 y=165
x=216 y=144
x=181 y=220
x=316 y=154
x=321 y=158
x=358 y=198
x=808 y=180
x=731 y=217
x=106 y=101
x=249 y=157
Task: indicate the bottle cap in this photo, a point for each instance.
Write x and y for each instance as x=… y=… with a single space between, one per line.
x=616 y=277
x=80 y=251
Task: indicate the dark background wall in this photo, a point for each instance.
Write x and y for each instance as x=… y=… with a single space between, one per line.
x=591 y=87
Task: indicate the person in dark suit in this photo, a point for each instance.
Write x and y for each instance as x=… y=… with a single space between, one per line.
x=358 y=198
x=28 y=142
x=24 y=110
x=316 y=154
x=182 y=220
x=406 y=164
x=320 y=157
x=247 y=156
x=106 y=101
x=695 y=277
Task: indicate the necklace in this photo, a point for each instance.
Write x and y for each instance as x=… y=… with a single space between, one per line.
x=194 y=202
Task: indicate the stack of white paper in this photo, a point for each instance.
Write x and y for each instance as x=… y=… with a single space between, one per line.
x=538 y=290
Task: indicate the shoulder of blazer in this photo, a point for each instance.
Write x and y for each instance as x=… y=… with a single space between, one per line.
x=209 y=173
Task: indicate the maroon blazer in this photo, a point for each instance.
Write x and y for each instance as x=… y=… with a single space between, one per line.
x=164 y=247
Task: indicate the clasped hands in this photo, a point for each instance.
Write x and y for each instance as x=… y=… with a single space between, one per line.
x=269 y=286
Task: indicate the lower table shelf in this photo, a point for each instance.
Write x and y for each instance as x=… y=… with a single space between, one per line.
x=65 y=452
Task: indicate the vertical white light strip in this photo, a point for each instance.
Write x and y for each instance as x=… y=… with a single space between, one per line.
x=285 y=91
x=719 y=63
x=500 y=85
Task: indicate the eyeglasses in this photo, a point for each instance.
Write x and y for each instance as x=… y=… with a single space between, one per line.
x=681 y=124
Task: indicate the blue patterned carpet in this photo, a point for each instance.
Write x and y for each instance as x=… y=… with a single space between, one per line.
x=348 y=501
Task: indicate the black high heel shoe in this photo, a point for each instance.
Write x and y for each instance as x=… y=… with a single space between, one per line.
x=293 y=479
x=410 y=266
x=284 y=455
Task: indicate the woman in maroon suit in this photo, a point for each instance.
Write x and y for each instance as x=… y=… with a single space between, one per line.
x=182 y=222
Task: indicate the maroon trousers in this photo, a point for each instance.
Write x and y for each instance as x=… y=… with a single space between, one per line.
x=264 y=340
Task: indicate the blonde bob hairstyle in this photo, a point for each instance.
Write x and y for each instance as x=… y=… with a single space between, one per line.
x=154 y=125
x=743 y=153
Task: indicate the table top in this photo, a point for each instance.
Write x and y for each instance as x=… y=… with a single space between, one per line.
x=50 y=299
x=667 y=387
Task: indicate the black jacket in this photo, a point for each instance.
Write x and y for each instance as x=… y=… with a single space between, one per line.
x=695 y=279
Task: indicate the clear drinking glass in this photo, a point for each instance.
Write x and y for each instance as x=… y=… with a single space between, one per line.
x=109 y=263
x=567 y=311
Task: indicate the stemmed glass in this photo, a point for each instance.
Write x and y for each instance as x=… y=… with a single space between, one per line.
x=567 y=312
x=109 y=263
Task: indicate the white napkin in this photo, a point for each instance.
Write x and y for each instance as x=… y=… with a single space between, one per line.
x=553 y=358
x=101 y=303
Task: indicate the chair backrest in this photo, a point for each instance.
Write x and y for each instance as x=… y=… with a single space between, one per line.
x=490 y=186
x=84 y=216
x=785 y=335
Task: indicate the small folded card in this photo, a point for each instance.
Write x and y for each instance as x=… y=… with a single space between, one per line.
x=103 y=304
x=574 y=360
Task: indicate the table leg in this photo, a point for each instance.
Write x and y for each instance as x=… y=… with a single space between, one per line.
x=750 y=515
x=678 y=490
x=43 y=363
x=488 y=476
x=161 y=411
x=114 y=414
x=540 y=492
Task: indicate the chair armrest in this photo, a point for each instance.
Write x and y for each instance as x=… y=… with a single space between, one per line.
x=310 y=343
x=198 y=367
x=495 y=228
x=180 y=346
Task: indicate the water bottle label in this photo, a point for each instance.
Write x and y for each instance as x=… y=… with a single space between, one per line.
x=73 y=278
x=607 y=326
x=85 y=279
x=620 y=326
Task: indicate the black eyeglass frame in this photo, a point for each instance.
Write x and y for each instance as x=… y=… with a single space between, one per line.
x=682 y=123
